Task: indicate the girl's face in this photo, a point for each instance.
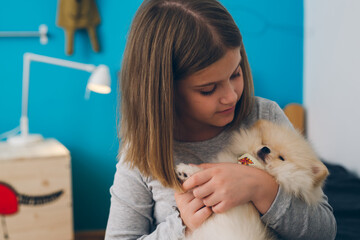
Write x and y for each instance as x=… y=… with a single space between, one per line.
x=205 y=101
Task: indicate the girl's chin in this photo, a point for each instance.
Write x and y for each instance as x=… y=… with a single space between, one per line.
x=224 y=123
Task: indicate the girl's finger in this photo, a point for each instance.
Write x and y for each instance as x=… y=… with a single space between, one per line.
x=197 y=179
x=203 y=214
x=219 y=208
x=207 y=165
x=204 y=190
x=182 y=198
x=211 y=200
x=195 y=205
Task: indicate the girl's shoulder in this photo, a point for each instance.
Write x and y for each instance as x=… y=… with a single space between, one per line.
x=265 y=109
x=128 y=172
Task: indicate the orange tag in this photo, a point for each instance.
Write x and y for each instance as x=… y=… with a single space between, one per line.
x=249 y=160
x=245 y=161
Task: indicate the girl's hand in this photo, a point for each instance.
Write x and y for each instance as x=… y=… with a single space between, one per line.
x=223 y=186
x=192 y=210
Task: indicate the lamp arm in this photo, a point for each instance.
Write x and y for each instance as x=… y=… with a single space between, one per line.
x=28 y=57
x=55 y=61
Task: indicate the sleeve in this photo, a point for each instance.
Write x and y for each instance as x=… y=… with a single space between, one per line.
x=277 y=115
x=292 y=218
x=131 y=210
x=268 y=110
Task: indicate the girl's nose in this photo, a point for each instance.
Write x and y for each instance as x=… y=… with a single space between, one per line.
x=229 y=96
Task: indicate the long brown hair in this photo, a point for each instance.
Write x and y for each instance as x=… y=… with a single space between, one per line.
x=168 y=41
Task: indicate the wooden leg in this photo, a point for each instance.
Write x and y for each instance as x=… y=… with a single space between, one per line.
x=90 y=235
x=69 y=41
x=93 y=38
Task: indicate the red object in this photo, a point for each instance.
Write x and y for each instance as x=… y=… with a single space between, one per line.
x=245 y=161
x=8 y=200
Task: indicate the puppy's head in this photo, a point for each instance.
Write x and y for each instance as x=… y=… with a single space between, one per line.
x=288 y=157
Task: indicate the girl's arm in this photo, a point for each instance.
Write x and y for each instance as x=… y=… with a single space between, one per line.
x=292 y=218
x=131 y=210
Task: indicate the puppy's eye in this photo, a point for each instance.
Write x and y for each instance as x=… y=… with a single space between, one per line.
x=281 y=158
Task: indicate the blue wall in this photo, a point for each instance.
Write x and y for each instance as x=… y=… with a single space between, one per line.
x=272 y=32
x=273 y=37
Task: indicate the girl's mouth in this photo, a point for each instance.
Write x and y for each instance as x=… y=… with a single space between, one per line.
x=229 y=110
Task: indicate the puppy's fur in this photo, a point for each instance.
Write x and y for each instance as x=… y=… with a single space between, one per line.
x=284 y=154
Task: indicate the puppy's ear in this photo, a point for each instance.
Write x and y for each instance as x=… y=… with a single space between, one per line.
x=262 y=124
x=265 y=129
x=320 y=172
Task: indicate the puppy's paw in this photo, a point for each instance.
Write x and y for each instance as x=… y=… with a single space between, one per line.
x=184 y=171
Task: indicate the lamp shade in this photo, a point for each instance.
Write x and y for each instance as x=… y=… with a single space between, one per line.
x=99 y=80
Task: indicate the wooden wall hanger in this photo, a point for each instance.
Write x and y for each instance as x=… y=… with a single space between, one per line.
x=78 y=14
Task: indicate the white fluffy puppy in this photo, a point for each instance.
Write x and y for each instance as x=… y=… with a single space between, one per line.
x=284 y=154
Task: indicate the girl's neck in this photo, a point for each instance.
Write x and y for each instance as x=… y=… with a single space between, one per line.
x=186 y=134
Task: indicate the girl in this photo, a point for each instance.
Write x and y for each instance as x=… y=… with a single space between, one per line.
x=186 y=85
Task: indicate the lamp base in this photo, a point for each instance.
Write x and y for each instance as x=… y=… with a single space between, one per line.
x=21 y=140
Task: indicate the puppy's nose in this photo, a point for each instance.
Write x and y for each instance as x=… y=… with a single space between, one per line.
x=263 y=152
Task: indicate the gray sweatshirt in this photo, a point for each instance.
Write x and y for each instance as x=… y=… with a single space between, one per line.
x=141 y=208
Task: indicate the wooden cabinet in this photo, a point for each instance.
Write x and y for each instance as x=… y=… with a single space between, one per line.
x=35 y=192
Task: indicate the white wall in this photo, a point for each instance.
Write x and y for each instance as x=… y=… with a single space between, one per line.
x=332 y=79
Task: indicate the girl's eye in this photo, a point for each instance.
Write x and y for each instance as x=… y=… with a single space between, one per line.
x=235 y=75
x=207 y=92
x=281 y=158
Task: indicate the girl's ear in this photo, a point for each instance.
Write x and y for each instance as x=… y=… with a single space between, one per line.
x=320 y=172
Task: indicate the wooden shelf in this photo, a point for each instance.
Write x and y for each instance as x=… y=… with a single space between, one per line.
x=40 y=176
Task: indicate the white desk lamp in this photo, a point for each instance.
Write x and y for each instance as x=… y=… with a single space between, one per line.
x=99 y=81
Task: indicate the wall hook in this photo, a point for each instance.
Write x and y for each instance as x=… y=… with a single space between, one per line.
x=42 y=34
